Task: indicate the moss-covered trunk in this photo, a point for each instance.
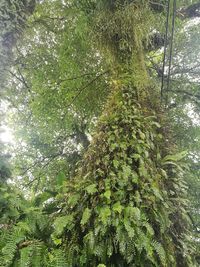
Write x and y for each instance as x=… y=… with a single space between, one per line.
x=126 y=206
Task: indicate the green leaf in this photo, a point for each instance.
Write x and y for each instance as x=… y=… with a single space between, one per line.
x=156 y=124
x=91 y=189
x=173 y=164
x=57 y=241
x=63 y=222
x=116 y=163
x=126 y=171
x=117 y=207
x=113 y=146
x=129 y=228
x=160 y=251
x=175 y=157
x=132 y=212
x=104 y=214
x=107 y=194
x=73 y=200
x=134 y=177
x=61 y=178
x=143 y=170
x=141 y=134
x=136 y=156
x=86 y=216
x=157 y=193
x=136 y=213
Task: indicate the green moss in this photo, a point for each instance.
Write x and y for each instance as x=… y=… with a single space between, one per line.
x=121 y=29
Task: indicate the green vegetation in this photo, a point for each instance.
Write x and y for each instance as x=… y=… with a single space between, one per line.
x=102 y=171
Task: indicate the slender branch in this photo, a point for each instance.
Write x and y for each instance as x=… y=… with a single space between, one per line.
x=76 y=77
x=184 y=92
x=171 y=49
x=50 y=159
x=191 y=11
x=157 y=4
x=85 y=87
x=159 y=7
x=165 y=48
x=17 y=77
x=53 y=18
x=23 y=79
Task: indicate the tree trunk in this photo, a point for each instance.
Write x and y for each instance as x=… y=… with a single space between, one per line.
x=130 y=203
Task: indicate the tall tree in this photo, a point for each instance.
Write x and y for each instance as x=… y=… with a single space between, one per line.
x=126 y=203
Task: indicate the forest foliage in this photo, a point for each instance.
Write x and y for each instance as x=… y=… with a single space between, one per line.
x=102 y=171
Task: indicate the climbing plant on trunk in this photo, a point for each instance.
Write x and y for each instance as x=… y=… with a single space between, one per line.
x=126 y=206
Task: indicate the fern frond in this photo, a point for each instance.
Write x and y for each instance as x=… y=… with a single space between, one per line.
x=160 y=252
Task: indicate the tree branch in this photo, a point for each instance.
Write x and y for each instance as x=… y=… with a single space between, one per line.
x=193 y=97
x=76 y=77
x=85 y=87
x=191 y=11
